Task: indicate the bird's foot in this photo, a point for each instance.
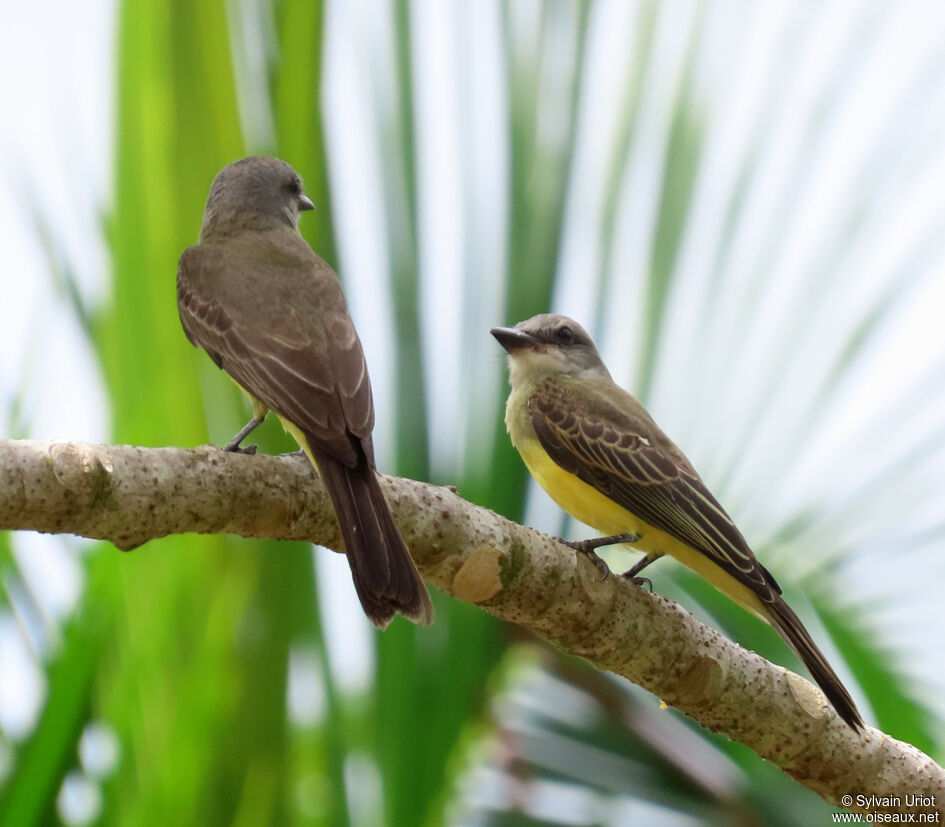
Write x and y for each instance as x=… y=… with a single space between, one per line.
x=234 y=447
x=598 y=562
x=631 y=573
x=586 y=547
x=639 y=581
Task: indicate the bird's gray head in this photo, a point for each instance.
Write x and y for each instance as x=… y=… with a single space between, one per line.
x=549 y=345
x=255 y=193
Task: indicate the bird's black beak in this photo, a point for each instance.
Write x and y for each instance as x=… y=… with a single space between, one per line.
x=305 y=203
x=512 y=339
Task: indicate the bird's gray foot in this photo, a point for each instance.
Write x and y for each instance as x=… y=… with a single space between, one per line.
x=598 y=562
x=585 y=546
x=631 y=573
x=234 y=447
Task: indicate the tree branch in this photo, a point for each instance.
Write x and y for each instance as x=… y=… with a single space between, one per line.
x=129 y=495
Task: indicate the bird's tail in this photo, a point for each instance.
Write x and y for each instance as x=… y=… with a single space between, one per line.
x=385 y=577
x=790 y=628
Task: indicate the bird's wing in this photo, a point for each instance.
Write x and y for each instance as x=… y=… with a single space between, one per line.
x=281 y=329
x=601 y=434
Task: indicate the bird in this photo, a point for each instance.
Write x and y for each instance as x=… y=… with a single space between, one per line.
x=271 y=313
x=600 y=456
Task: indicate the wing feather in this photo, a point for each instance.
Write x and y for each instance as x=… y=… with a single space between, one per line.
x=615 y=447
x=285 y=336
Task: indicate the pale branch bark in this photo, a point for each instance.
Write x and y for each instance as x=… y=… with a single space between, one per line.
x=129 y=495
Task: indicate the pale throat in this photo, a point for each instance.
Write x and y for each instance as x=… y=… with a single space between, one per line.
x=529 y=368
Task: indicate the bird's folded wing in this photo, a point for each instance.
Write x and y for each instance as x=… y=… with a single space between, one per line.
x=311 y=371
x=636 y=465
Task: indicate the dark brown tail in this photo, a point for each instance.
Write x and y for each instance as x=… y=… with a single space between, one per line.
x=795 y=635
x=384 y=574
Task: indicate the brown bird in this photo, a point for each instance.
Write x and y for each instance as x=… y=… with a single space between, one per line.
x=271 y=313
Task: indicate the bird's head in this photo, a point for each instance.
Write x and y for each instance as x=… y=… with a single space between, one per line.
x=549 y=345
x=255 y=193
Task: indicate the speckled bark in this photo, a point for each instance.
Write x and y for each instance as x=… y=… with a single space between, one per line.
x=129 y=495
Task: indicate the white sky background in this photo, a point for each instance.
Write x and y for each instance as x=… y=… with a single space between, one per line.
x=843 y=104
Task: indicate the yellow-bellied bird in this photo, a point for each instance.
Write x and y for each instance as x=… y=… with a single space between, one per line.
x=603 y=459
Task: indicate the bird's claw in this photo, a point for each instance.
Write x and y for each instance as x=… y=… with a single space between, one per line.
x=600 y=565
x=236 y=448
x=586 y=548
x=639 y=581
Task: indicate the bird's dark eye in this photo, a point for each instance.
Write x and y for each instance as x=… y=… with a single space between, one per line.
x=564 y=336
x=295 y=186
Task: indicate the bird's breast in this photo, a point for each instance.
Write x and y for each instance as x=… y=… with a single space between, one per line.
x=580 y=500
x=592 y=508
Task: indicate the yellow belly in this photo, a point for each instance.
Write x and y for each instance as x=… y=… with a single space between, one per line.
x=588 y=505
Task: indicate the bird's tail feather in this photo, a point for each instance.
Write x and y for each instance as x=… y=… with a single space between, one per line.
x=384 y=574
x=790 y=628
